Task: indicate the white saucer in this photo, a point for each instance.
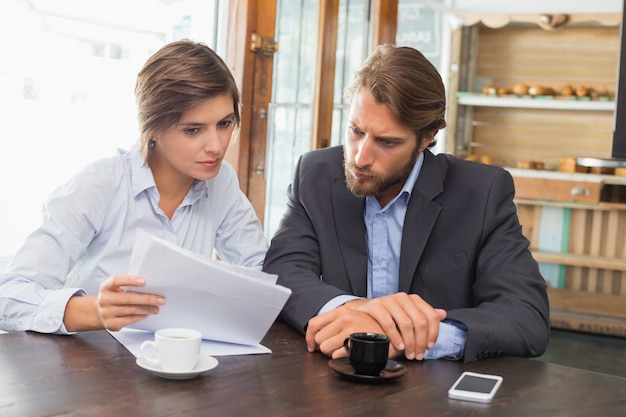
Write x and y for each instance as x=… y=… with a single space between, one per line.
x=205 y=363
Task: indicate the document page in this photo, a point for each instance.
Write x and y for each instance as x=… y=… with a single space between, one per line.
x=226 y=303
x=133 y=338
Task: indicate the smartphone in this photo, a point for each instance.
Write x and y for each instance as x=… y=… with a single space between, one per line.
x=472 y=386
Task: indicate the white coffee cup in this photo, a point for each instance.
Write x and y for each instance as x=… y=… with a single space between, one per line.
x=173 y=350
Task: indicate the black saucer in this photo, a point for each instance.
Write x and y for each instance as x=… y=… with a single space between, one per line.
x=392 y=371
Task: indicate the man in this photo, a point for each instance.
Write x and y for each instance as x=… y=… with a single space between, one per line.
x=384 y=236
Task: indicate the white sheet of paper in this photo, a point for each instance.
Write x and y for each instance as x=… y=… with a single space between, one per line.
x=226 y=303
x=133 y=338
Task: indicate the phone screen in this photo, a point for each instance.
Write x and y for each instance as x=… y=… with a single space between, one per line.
x=476 y=384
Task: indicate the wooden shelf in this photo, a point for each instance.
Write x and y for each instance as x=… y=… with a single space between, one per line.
x=474 y=99
x=614 y=264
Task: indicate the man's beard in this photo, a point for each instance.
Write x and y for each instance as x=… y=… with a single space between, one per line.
x=377 y=184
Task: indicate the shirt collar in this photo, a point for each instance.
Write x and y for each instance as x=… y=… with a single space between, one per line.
x=415 y=172
x=141 y=176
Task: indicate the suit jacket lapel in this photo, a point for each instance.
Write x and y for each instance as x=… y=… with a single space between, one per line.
x=419 y=220
x=351 y=235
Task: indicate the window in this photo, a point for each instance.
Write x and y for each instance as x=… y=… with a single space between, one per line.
x=424 y=26
x=67 y=75
x=352 y=49
x=290 y=129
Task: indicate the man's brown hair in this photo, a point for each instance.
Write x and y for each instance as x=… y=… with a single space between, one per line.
x=407 y=83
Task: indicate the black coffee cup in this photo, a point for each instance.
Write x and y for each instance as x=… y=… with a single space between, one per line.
x=368 y=352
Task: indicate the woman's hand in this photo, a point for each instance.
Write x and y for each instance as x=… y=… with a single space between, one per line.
x=115 y=306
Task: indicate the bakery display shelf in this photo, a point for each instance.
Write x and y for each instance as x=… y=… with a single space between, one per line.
x=535 y=102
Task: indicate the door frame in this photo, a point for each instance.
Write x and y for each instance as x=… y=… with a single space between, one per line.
x=253 y=74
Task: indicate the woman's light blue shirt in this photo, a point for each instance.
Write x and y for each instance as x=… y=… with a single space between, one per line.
x=88 y=232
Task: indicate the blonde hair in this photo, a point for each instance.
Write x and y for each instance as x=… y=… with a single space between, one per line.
x=175 y=79
x=407 y=83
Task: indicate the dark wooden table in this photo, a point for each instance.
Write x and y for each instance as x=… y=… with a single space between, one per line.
x=91 y=374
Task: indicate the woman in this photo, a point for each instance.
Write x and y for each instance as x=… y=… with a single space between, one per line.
x=69 y=275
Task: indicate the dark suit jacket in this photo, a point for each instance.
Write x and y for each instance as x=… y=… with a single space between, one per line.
x=462 y=250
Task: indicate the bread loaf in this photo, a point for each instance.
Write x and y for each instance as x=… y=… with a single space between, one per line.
x=539 y=90
x=521 y=89
x=567 y=91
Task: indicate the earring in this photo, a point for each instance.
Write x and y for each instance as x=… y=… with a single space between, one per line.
x=152 y=144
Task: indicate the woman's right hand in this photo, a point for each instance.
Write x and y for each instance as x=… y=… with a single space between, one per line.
x=115 y=306
x=118 y=305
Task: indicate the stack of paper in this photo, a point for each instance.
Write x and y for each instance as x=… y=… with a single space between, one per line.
x=226 y=303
